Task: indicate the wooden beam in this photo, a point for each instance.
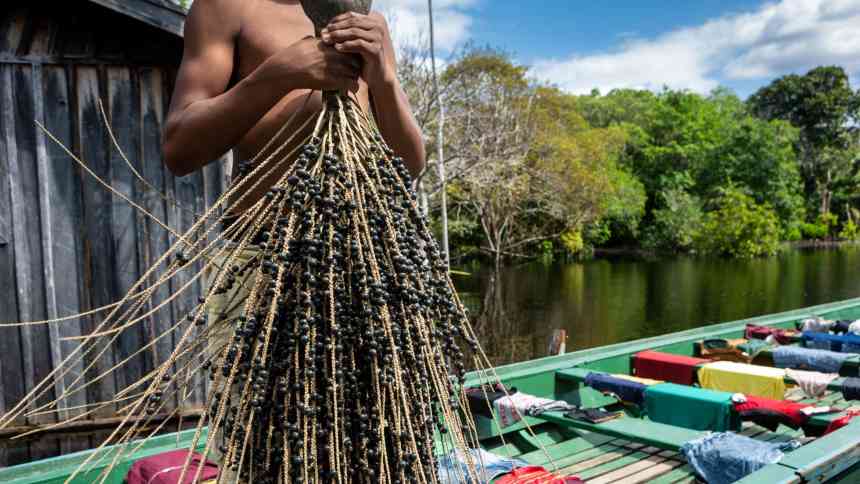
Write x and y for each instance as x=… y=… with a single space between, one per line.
x=157 y=14
x=99 y=423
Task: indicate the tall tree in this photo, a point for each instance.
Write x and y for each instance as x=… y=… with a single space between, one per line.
x=824 y=107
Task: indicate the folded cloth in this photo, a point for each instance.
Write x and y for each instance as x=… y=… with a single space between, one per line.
x=753 y=347
x=842 y=326
x=782 y=336
x=771 y=413
x=808 y=359
x=842 y=421
x=166 y=468
x=644 y=381
x=728 y=376
x=536 y=475
x=724 y=458
x=667 y=367
x=481 y=398
x=813 y=383
x=691 y=407
x=512 y=408
x=626 y=390
x=847 y=343
x=816 y=325
x=851 y=389
x=722 y=350
x=454 y=467
x=553 y=406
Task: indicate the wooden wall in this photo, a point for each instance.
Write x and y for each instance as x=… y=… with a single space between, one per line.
x=66 y=243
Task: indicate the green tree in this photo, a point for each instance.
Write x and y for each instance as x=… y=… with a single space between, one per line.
x=823 y=106
x=739 y=227
x=677 y=220
x=712 y=142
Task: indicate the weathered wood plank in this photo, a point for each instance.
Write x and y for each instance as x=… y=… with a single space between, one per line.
x=44 y=198
x=123 y=109
x=62 y=225
x=157 y=239
x=12 y=29
x=28 y=235
x=638 y=468
x=44 y=31
x=99 y=256
x=11 y=359
x=157 y=16
x=27 y=230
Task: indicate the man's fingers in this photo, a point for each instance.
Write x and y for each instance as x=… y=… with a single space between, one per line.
x=343 y=35
x=358 y=46
x=352 y=20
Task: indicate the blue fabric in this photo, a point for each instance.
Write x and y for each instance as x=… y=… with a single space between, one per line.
x=453 y=468
x=808 y=359
x=724 y=458
x=847 y=343
x=627 y=391
x=851 y=389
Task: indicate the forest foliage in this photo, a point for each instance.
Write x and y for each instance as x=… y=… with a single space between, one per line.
x=538 y=172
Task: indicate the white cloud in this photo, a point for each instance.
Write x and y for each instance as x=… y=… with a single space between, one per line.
x=408 y=20
x=781 y=37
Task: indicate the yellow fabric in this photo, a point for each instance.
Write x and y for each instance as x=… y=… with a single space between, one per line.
x=728 y=376
x=644 y=381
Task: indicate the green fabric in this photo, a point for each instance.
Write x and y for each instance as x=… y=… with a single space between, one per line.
x=691 y=407
x=753 y=347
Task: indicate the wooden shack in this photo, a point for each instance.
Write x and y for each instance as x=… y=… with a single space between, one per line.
x=67 y=244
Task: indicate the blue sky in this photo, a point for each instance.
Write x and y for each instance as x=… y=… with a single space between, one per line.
x=697 y=45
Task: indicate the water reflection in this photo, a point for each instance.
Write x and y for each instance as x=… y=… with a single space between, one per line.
x=611 y=300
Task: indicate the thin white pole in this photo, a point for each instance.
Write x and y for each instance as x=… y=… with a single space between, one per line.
x=440 y=140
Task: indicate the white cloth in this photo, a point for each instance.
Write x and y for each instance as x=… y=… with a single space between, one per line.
x=855 y=327
x=817 y=325
x=813 y=383
x=512 y=408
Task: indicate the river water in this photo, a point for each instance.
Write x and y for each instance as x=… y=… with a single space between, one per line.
x=609 y=300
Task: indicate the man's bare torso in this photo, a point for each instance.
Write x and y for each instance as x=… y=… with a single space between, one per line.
x=268 y=26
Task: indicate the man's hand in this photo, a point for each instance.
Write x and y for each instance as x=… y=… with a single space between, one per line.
x=368 y=36
x=311 y=64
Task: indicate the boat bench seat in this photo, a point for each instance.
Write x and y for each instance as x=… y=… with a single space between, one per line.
x=667 y=437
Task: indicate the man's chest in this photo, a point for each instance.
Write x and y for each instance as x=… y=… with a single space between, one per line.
x=267 y=29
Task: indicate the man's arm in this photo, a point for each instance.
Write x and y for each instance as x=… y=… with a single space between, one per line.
x=205 y=119
x=368 y=36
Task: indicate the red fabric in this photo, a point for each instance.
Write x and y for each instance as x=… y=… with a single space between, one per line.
x=790 y=410
x=782 y=336
x=536 y=475
x=166 y=468
x=665 y=367
x=842 y=421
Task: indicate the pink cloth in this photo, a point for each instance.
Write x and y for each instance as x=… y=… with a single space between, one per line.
x=166 y=468
x=536 y=475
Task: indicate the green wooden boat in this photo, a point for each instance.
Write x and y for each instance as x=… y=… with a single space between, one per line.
x=627 y=450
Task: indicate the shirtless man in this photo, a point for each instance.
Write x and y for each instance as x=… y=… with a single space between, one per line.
x=249 y=65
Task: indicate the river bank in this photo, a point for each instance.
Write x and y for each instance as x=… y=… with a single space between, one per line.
x=646 y=253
